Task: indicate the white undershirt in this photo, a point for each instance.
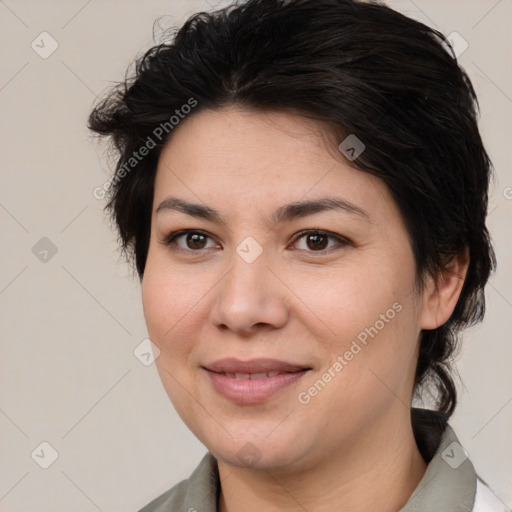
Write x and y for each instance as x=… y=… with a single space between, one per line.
x=486 y=500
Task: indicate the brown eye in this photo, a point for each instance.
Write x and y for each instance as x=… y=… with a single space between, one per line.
x=315 y=242
x=320 y=241
x=195 y=241
x=188 y=240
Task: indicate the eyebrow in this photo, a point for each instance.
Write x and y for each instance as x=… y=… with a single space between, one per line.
x=284 y=213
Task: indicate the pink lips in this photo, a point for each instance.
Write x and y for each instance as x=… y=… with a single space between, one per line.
x=254 y=381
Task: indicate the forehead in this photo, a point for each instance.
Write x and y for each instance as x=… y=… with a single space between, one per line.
x=233 y=135
x=237 y=157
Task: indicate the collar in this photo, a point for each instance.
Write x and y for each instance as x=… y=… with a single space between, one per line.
x=449 y=482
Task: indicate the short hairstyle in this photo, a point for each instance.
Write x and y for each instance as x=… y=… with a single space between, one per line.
x=361 y=68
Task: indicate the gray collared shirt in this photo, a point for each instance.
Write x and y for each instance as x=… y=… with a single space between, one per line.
x=448 y=485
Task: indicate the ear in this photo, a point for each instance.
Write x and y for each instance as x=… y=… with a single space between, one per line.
x=441 y=293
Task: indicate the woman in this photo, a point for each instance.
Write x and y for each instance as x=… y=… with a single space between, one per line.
x=303 y=188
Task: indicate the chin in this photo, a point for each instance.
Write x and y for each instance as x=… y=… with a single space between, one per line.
x=253 y=452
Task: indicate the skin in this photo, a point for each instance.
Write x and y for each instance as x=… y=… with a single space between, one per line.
x=351 y=446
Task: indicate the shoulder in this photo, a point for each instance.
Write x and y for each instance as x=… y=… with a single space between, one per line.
x=198 y=492
x=169 y=500
x=486 y=500
x=450 y=481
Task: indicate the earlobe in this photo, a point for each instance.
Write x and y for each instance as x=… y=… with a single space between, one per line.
x=441 y=293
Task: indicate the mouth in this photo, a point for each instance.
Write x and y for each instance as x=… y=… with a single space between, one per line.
x=254 y=367
x=254 y=381
x=261 y=375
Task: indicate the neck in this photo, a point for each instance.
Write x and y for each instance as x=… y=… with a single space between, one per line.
x=383 y=465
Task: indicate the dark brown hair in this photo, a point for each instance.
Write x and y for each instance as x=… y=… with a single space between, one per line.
x=360 y=67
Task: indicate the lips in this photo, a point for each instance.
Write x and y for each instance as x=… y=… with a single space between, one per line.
x=255 y=368
x=261 y=375
x=254 y=381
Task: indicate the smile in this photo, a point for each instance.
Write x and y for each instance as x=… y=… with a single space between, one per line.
x=256 y=381
x=251 y=375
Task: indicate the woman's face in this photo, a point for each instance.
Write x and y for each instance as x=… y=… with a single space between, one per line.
x=334 y=316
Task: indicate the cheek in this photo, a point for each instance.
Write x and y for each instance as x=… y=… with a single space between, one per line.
x=170 y=298
x=342 y=301
x=379 y=359
x=366 y=320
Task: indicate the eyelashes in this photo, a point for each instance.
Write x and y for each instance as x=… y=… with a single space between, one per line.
x=170 y=240
x=326 y=235
x=198 y=239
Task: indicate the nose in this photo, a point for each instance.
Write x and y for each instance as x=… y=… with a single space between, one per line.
x=250 y=298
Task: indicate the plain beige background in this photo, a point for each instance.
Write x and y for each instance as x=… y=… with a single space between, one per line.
x=71 y=320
